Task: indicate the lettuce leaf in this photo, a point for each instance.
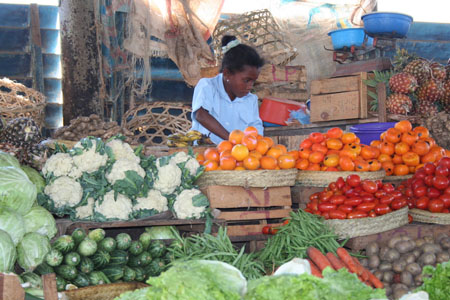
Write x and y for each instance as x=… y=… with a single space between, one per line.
x=436 y=281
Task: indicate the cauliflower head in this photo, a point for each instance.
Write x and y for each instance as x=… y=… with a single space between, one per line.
x=122 y=150
x=120 y=166
x=111 y=208
x=192 y=165
x=90 y=160
x=85 y=212
x=154 y=200
x=179 y=157
x=61 y=164
x=190 y=204
x=168 y=178
x=64 y=191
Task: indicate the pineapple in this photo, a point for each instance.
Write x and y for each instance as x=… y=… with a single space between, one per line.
x=431 y=91
x=399 y=104
x=438 y=71
x=420 y=69
x=427 y=109
x=403 y=83
x=34 y=156
x=22 y=132
x=445 y=100
x=2 y=126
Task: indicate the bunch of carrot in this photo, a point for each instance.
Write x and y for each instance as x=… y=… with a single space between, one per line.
x=319 y=261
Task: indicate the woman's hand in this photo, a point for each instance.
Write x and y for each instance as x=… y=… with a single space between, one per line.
x=210 y=123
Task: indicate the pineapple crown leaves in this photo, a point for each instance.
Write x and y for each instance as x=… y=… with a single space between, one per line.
x=379 y=76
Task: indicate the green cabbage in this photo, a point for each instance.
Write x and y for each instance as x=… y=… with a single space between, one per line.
x=35 y=178
x=12 y=223
x=161 y=232
x=16 y=190
x=7 y=160
x=7 y=252
x=39 y=220
x=31 y=250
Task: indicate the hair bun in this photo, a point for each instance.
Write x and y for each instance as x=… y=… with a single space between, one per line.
x=227 y=38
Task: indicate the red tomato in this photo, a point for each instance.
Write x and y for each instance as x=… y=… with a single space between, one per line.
x=325 y=215
x=417 y=182
x=379 y=184
x=446 y=199
x=388 y=187
x=441 y=170
x=433 y=193
x=422 y=202
x=273 y=230
x=354 y=201
x=353 y=180
x=345 y=208
x=340 y=182
x=366 y=206
x=314 y=196
x=285 y=222
x=410 y=218
x=409 y=192
x=397 y=194
x=382 y=209
x=345 y=188
x=337 y=214
x=445 y=161
x=380 y=193
x=428 y=180
x=369 y=186
x=386 y=199
x=420 y=173
x=411 y=203
x=440 y=182
x=368 y=198
x=429 y=168
x=357 y=215
x=420 y=191
x=372 y=214
x=447 y=190
x=436 y=205
x=266 y=229
x=326 y=207
x=325 y=196
x=445 y=211
x=398 y=203
x=309 y=210
x=313 y=206
x=333 y=187
x=337 y=199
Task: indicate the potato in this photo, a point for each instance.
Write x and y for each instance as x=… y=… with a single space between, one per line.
x=417 y=252
x=445 y=243
x=419 y=242
x=388 y=276
x=406 y=278
x=427 y=259
x=374 y=261
x=418 y=280
x=429 y=239
x=364 y=262
x=414 y=268
x=405 y=246
x=395 y=240
x=391 y=255
x=372 y=249
x=399 y=292
x=398 y=266
x=409 y=258
x=442 y=257
x=383 y=251
x=440 y=237
x=385 y=266
x=388 y=289
x=378 y=274
x=431 y=248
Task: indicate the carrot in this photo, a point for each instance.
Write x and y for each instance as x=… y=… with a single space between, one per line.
x=375 y=281
x=348 y=261
x=318 y=258
x=335 y=261
x=314 y=270
x=364 y=271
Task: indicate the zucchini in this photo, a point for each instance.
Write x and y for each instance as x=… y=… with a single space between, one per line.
x=82 y=280
x=60 y=283
x=43 y=269
x=114 y=273
x=123 y=241
x=134 y=261
x=64 y=243
x=78 y=235
x=87 y=247
x=155 y=267
x=72 y=259
x=97 y=234
x=140 y=274
x=54 y=258
x=67 y=272
x=100 y=259
x=98 y=277
x=145 y=238
x=86 y=265
x=157 y=248
x=128 y=274
x=108 y=244
x=136 y=248
x=118 y=258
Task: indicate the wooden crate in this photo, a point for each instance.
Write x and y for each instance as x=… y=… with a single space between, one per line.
x=339 y=98
x=247 y=211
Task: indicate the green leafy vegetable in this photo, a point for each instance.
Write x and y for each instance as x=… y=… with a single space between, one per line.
x=436 y=281
x=7 y=252
x=31 y=250
x=39 y=220
x=16 y=190
x=13 y=223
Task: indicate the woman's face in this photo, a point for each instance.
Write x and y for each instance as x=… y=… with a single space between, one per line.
x=240 y=83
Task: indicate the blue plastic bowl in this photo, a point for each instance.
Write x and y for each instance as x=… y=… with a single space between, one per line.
x=347 y=37
x=369 y=132
x=387 y=24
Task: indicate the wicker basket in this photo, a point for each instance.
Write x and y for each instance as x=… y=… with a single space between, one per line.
x=397 y=178
x=102 y=292
x=323 y=179
x=16 y=100
x=254 y=178
x=424 y=216
x=360 y=227
x=152 y=122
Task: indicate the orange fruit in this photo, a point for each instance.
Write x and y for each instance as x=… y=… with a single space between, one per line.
x=200 y=157
x=239 y=152
x=236 y=136
x=250 y=130
x=348 y=153
x=294 y=154
x=210 y=165
x=403 y=126
x=411 y=159
x=262 y=146
x=388 y=166
x=286 y=161
x=375 y=143
x=302 y=164
x=368 y=152
x=275 y=152
x=224 y=145
x=354 y=147
x=374 y=165
x=393 y=135
x=409 y=137
x=331 y=160
x=225 y=153
x=401 y=169
x=334 y=143
x=212 y=154
x=316 y=137
x=397 y=159
x=401 y=148
x=430 y=141
x=239 y=168
x=420 y=147
x=316 y=157
x=268 y=140
x=227 y=163
x=250 y=141
x=346 y=163
x=255 y=154
x=268 y=163
x=348 y=137
x=384 y=157
x=251 y=163
x=422 y=132
x=335 y=133
x=304 y=153
x=282 y=147
x=319 y=148
x=361 y=165
x=313 y=167
x=306 y=143
x=387 y=148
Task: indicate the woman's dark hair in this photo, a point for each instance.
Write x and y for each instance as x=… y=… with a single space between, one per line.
x=239 y=56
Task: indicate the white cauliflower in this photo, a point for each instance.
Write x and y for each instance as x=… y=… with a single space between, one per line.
x=60 y=164
x=168 y=178
x=180 y=157
x=111 y=208
x=154 y=200
x=120 y=166
x=86 y=211
x=122 y=150
x=192 y=165
x=64 y=191
x=90 y=160
x=184 y=204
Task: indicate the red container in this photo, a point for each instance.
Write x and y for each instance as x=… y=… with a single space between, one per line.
x=276 y=110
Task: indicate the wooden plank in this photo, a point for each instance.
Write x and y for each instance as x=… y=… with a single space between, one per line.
x=37 y=65
x=49 y=283
x=271 y=73
x=381 y=92
x=335 y=106
x=300 y=95
x=10 y=288
x=376 y=64
x=335 y=85
x=254 y=214
x=235 y=196
x=247 y=230
x=362 y=96
x=291 y=142
x=300 y=194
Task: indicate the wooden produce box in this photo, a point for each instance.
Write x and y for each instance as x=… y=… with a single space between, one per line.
x=339 y=98
x=248 y=210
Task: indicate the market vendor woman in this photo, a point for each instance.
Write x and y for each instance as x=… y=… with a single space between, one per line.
x=224 y=103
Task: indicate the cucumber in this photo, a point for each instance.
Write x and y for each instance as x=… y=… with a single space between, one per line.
x=72 y=259
x=140 y=274
x=67 y=272
x=128 y=274
x=157 y=248
x=134 y=261
x=136 y=248
x=145 y=258
x=54 y=258
x=145 y=238
x=118 y=258
x=100 y=259
x=123 y=241
x=43 y=269
x=114 y=273
x=64 y=243
x=87 y=247
x=97 y=234
x=82 y=280
x=78 y=235
x=155 y=267
x=108 y=244
x=60 y=284
x=86 y=265
x=98 y=277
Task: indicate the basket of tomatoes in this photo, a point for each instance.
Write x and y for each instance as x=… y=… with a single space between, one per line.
x=428 y=193
x=355 y=207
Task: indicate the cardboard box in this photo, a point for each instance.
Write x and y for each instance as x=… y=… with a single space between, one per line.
x=339 y=98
